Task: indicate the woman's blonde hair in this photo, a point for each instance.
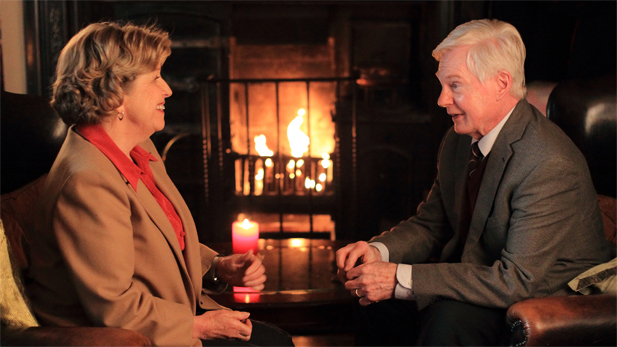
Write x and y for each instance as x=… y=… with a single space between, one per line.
x=494 y=46
x=98 y=64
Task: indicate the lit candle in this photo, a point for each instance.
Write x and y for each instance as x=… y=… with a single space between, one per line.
x=245 y=236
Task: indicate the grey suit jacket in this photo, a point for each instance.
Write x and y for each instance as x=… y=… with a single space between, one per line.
x=536 y=224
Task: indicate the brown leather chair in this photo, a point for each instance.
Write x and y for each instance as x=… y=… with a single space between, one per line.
x=586 y=111
x=32 y=134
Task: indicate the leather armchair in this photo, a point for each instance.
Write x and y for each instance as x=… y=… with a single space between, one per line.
x=586 y=111
x=32 y=134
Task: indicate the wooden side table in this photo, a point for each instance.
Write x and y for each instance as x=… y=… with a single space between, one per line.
x=302 y=293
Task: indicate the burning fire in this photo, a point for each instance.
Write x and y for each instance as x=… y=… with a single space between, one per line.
x=261 y=147
x=298 y=141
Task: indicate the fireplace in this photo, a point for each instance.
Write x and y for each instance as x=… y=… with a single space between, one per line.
x=283 y=150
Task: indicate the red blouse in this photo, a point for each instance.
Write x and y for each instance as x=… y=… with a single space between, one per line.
x=133 y=172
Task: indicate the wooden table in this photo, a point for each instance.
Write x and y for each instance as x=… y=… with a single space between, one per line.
x=302 y=293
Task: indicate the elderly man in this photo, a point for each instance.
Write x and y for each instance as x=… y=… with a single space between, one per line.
x=512 y=213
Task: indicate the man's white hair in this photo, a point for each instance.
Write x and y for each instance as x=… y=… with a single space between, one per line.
x=494 y=46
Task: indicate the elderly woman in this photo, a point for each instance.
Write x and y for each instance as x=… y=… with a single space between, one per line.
x=116 y=244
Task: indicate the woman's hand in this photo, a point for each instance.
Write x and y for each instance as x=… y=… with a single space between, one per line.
x=242 y=270
x=222 y=324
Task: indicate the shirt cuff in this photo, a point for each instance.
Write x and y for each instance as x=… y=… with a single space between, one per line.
x=385 y=255
x=404 y=288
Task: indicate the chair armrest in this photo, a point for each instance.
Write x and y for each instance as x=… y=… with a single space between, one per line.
x=72 y=336
x=575 y=320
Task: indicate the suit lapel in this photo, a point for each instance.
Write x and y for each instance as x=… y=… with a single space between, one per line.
x=497 y=162
x=191 y=255
x=158 y=216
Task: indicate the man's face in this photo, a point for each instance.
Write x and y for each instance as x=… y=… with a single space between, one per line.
x=470 y=103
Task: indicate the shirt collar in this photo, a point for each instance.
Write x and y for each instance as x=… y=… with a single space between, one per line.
x=487 y=141
x=96 y=135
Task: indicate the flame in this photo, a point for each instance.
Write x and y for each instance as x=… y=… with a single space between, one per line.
x=326 y=160
x=319 y=187
x=260 y=175
x=298 y=141
x=260 y=146
x=246 y=224
x=269 y=162
x=322 y=177
x=309 y=183
x=296 y=243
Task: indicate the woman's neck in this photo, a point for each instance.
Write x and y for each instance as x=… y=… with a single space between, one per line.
x=120 y=135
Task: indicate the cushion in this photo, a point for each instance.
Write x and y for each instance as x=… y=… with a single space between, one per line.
x=16 y=213
x=600 y=279
x=14 y=309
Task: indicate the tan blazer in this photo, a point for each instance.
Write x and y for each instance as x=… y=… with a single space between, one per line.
x=104 y=254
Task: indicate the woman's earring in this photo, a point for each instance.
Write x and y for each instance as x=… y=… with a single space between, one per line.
x=121 y=115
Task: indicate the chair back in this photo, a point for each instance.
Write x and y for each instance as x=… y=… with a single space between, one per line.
x=585 y=110
x=31 y=136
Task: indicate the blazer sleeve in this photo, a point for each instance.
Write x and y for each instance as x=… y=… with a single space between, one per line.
x=209 y=286
x=91 y=221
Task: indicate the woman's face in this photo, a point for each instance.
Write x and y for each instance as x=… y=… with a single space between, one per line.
x=144 y=104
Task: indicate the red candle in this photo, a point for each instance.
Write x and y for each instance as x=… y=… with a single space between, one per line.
x=245 y=236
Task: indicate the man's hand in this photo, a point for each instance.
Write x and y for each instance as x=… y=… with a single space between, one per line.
x=348 y=256
x=372 y=282
x=242 y=270
x=363 y=273
x=222 y=324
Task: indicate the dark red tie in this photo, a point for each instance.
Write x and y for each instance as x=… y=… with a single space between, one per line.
x=475 y=170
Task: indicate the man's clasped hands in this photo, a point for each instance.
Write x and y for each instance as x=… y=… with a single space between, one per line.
x=362 y=271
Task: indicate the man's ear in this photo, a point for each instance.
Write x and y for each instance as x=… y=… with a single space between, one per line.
x=504 y=84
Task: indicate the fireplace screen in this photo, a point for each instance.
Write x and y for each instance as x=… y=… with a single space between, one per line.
x=283 y=142
x=284 y=135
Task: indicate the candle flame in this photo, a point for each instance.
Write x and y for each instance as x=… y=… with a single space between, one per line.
x=246 y=224
x=318 y=187
x=269 y=162
x=298 y=141
x=325 y=163
x=261 y=147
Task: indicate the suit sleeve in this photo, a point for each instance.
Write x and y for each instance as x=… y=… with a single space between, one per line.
x=92 y=224
x=548 y=208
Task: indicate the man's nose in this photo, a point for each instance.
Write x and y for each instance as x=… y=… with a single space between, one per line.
x=444 y=99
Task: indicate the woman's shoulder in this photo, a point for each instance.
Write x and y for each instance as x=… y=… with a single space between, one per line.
x=80 y=162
